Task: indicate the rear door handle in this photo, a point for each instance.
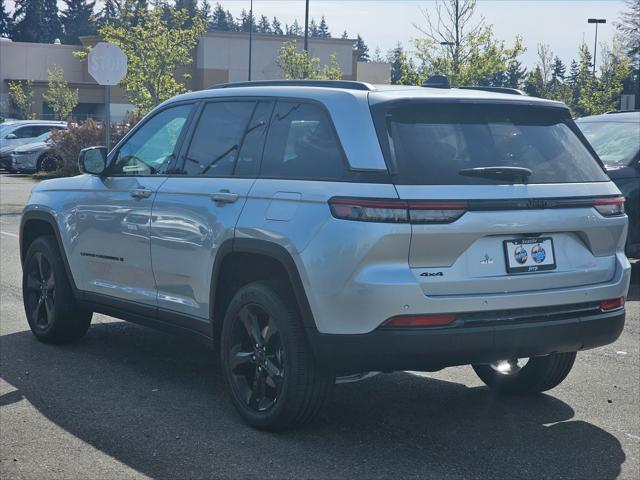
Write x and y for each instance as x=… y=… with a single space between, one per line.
x=140 y=193
x=224 y=196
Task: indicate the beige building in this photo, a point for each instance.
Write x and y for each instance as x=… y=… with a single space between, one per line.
x=219 y=57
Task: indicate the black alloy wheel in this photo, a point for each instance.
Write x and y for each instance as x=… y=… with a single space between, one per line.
x=256 y=358
x=40 y=291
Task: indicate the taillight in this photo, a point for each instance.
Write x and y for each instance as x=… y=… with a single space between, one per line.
x=609 y=207
x=369 y=210
x=436 y=212
x=416 y=321
x=612 y=304
x=396 y=211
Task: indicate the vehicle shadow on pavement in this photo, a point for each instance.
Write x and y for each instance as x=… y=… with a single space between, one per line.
x=157 y=404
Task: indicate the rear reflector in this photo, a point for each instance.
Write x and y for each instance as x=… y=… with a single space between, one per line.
x=612 y=304
x=412 y=321
x=396 y=211
x=609 y=207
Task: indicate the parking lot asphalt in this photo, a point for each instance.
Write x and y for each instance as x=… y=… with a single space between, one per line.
x=129 y=402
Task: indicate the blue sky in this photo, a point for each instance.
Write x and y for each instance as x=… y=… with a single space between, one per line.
x=562 y=24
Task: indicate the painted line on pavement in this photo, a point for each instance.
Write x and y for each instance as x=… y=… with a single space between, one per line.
x=9 y=234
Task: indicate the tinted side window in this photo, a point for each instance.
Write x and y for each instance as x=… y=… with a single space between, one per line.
x=40 y=129
x=152 y=147
x=24 y=132
x=216 y=139
x=302 y=143
x=253 y=143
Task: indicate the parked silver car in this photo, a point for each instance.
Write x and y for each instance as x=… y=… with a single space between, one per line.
x=15 y=133
x=35 y=156
x=310 y=230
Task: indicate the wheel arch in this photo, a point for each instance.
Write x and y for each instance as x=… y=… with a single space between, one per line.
x=267 y=260
x=35 y=224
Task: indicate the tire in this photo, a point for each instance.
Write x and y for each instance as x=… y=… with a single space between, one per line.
x=52 y=311
x=272 y=377
x=47 y=163
x=538 y=375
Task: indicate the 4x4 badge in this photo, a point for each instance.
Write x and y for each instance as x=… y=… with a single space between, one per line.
x=487 y=260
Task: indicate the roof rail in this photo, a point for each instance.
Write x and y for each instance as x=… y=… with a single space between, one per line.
x=612 y=112
x=507 y=90
x=344 y=84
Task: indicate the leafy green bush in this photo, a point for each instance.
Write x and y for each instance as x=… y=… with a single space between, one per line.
x=66 y=144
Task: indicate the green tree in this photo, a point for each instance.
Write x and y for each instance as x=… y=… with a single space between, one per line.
x=345 y=35
x=6 y=22
x=403 y=69
x=78 y=20
x=191 y=10
x=21 y=99
x=36 y=21
x=59 y=96
x=629 y=29
x=205 y=12
x=377 y=56
x=299 y=65
x=295 y=29
x=263 y=25
x=363 y=50
x=221 y=20
x=108 y=13
x=155 y=50
x=276 y=26
x=246 y=21
x=629 y=37
x=323 y=28
x=515 y=74
x=464 y=49
x=601 y=94
x=313 y=29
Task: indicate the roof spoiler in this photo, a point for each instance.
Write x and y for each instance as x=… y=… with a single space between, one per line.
x=441 y=81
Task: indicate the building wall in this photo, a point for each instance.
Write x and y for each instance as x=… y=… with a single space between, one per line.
x=374 y=72
x=31 y=61
x=220 y=52
x=220 y=57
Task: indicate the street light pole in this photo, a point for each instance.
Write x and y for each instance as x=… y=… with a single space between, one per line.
x=250 y=35
x=595 y=45
x=306 y=26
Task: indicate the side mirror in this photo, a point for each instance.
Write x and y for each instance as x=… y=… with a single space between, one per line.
x=93 y=160
x=11 y=136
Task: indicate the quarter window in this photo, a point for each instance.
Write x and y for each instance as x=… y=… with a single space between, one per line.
x=152 y=147
x=217 y=137
x=302 y=143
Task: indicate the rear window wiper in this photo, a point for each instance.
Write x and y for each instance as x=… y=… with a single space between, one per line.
x=498 y=173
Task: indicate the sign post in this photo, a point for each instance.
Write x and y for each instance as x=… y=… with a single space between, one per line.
x=107 y=65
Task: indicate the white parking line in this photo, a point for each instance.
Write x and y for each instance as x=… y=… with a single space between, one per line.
x=8 y=234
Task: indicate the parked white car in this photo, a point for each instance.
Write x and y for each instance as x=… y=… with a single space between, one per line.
x=34 y=156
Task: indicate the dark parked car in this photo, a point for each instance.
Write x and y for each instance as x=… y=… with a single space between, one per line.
x=616 y=139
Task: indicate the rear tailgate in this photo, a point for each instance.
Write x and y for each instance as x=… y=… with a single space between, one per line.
x=485 y=234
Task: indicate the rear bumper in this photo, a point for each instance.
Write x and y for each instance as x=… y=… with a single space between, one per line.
x=430 y=349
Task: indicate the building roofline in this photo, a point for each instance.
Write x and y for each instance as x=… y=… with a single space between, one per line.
x=270 y=36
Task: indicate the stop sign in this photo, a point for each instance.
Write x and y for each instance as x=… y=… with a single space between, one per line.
x=107 y=63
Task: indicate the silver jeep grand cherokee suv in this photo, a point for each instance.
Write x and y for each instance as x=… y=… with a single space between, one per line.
x=318 y=229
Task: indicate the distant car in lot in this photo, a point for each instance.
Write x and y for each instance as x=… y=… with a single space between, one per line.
x=309 y=230
x=34 y=156
x=15 y=133
x=616 y=139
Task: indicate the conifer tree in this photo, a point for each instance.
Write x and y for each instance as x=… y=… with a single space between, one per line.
x=78 y=20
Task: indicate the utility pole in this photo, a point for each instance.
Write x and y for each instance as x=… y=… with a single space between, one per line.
x=595 y=45
x=250 y=35
x=306 y=26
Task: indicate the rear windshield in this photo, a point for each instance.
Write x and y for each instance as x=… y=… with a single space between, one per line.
x=431 y=143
